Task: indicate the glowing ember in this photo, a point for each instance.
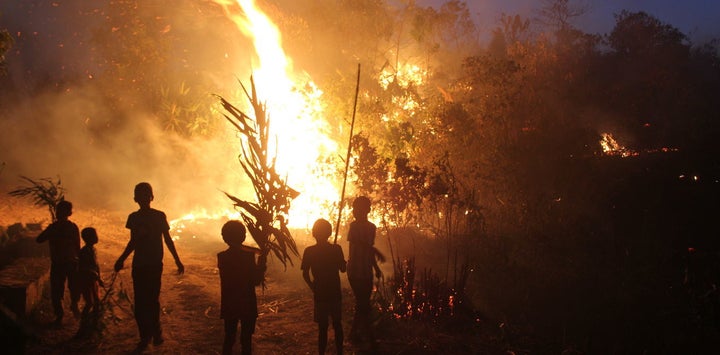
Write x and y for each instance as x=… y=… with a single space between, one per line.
x=611 y=147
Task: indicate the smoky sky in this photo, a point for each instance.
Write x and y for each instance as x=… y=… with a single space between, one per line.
x=56 y=119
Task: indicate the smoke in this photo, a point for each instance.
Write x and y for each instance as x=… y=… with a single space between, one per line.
x=55 y=135
x=56 y=119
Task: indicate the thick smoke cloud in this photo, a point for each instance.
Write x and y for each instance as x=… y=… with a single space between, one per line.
x=52 y=135
x=56 y=119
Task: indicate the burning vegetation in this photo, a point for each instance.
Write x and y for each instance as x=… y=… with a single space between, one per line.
x=511 y=222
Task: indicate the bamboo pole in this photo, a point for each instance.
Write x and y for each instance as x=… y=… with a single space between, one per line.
x=347 y=158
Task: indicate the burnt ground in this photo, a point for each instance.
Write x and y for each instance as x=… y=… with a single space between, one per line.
x=190 y=305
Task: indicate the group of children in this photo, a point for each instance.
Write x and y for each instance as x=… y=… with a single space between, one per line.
x=78 y=266
x=321 y=266
x=239 y=272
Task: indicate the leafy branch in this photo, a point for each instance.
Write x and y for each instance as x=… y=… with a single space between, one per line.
x=44 y=192
x=265 y=219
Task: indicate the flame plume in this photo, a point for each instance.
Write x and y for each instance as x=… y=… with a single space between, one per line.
x=297 y=124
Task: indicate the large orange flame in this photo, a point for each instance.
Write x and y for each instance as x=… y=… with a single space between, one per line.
x=296 y=115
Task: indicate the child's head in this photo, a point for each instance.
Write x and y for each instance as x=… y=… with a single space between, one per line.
x=63 y=209
x=233 y=233
x=361 y=206
x=321 y=230
x=89 y=235
x=143 y=193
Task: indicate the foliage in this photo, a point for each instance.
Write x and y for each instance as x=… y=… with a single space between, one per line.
x=6 y=42
x=185 y=112
x=147 y=62
x=265 y=219
x=653 y=59
x=449 y=29
x=44 y=192
x=504 y=167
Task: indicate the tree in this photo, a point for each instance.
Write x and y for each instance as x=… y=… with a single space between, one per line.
x=642 y=35
x=559 y=14
x=652 y=59
x=450 y=30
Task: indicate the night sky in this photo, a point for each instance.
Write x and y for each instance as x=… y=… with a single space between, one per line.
x=699 y=19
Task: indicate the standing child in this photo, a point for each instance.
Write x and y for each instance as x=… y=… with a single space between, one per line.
x=64 y=238
x=325 y=261
x=148 y=229
x=239 y=275
x=361 y=263
x=89 y=272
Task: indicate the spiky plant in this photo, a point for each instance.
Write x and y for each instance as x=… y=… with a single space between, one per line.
x=265 y=219
x=44 y=192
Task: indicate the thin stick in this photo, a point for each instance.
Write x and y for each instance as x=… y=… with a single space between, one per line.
x=347 y=158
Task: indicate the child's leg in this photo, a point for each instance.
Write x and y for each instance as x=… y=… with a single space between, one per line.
x=322 y=335
x=362 y=289
x=74 y=285
x=87 y=297
x=230 y=334
x=95 y=293
x=57 y=288
x=247 y=328
x=336 y=315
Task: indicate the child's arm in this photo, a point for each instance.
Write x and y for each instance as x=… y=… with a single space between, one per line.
x=260 y=269
x=377 y=255
x=97 y=267
x=171 y=246
x=308 y=280
x=128 y=249
x=378 y=272
x=342 y=262
x=76 y=237
x=305 y=267
x=45 y=234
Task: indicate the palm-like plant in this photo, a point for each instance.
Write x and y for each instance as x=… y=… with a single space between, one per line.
x=44 y=192
x=265 y=219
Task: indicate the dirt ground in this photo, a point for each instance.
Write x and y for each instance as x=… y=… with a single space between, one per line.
x=190 y=302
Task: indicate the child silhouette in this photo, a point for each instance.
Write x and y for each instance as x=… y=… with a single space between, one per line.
x=361 y=264
x=63 y=236
x=325 y=261
x=89 y=272
x=239 y=275
x=148 y=229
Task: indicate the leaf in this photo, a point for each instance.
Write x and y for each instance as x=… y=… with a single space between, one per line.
x=271 y=191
